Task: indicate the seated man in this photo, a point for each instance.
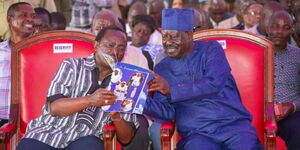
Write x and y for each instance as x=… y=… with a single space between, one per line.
x=286 y=76
x=72 y=117
x=194 y=87
x=134 y=56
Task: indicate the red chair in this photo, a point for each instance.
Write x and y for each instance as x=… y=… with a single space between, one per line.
x=34 y=63
x=251 y=61
x=8 y=130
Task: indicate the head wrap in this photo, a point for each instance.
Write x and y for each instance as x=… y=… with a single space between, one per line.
x=180 y=19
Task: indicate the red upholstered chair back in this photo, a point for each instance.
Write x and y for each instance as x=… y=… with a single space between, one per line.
x=251 y=60
x=34 y=63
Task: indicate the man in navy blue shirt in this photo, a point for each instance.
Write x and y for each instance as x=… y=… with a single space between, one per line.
x=194 y=87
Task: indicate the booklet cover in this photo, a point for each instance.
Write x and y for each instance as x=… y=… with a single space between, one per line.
x=129 y=83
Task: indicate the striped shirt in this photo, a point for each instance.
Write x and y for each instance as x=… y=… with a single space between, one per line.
x=287 y=75
x=5 y=78
x=76 y=77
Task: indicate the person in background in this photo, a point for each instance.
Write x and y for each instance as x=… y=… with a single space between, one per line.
x=137 y=8
x=266 y=13
x=296 y=33
x=237 y=21
x=176 y=4
x=143 y=27
x=133 y=55
x=194 y=4
x=295 y=7
x=193 y=86
x=154 y=10
x=286 y=77
x=251 y=15
x=230 y=6
x=5 y=4
x=287 y=5
x=202 y=21
x=204 y=5
x=20 y=18
x=83 y=12
x=217 y=12
x=64 y=7
x=58 y=21
x=42 y=20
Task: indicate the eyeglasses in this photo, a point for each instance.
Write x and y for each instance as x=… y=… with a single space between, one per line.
x=253 y=13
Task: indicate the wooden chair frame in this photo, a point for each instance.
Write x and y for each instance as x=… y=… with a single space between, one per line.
x=108 y=131
x=269 y=116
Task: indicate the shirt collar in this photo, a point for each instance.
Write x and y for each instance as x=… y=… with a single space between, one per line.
x=90 y=62
x=257 y=32
x=5 y=45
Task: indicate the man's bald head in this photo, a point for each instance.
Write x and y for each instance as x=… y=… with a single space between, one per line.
x=137 y=8
x=202 y=21
x=104 y=18
x=155 y=10
x=266 y=13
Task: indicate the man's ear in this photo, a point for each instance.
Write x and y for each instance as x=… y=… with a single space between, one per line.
x=96 y=45
x=9 y=18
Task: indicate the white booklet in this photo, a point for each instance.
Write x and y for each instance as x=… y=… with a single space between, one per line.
x=129 y=83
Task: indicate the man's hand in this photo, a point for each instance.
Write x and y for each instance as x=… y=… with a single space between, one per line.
x=158 y=84
x=283 y=109
x=102 y=97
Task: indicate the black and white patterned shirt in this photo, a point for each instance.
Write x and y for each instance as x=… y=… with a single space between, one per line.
x=76 y=77
x=287 y=75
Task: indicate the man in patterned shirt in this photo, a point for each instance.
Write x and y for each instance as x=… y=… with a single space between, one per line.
x=72 y=117
x=20 y=21
x=287 y=79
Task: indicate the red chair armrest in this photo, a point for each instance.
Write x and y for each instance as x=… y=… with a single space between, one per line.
x=10 y=128
x=7 y=131
x=166 y=132
x=270 y=127
x=108 y=135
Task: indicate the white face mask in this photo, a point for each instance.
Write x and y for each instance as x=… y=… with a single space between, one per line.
x=111 y=61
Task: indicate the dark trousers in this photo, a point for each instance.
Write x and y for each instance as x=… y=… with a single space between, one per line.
x=88 y=143
x=141 y=139
x=289 y=130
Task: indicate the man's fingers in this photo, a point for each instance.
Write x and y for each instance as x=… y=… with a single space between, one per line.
x=153 y=89
x=154 y=85
x=110 y=97
x=151 y=72
x=108 y=93
x=154 y=74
